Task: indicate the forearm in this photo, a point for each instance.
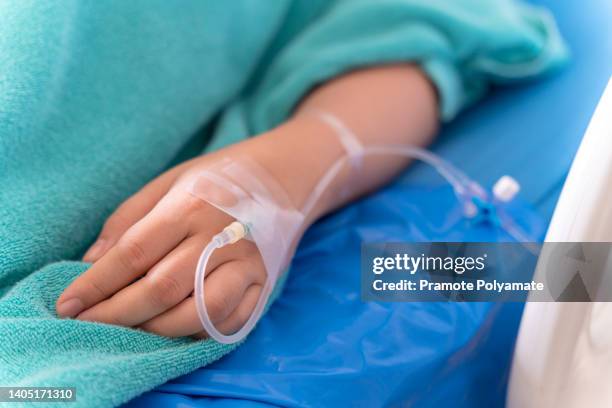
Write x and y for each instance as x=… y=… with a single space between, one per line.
x=385 y=105
x=388 y=105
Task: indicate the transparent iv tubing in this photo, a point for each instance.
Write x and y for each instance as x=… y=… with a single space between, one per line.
x=268 y=219
x=465 y=189
x=220 y=240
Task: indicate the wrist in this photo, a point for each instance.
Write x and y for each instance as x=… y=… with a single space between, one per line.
x=298 y=154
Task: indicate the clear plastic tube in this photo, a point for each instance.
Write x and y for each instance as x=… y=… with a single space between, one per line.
x=208 y=326
x=465 y=189
x=266 y=216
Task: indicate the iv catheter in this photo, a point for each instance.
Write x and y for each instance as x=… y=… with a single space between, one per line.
x=265 y=215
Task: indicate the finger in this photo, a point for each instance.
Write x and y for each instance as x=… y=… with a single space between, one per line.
x=167 y=283
x=140 y=248
x=181 y=320
x=130 y=212
x=224 y=289
x=237 y=319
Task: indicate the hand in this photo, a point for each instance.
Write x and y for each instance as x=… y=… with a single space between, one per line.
x=144 y=264
x=146 y=256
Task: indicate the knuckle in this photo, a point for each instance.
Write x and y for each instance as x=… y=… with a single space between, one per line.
x=97 y=288
x=242 y=316
x=244 y=313
x=257 y=271
x=217 y=306
x=165 y=291
x=170 y=220
x=193 y=204
x=131 y=254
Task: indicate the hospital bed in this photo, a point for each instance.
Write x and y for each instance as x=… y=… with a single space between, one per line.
x=319 y=345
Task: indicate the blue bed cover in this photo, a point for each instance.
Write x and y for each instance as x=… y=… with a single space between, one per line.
x=319 y=345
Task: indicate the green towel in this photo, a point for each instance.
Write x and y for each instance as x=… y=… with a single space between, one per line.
x=99 y=97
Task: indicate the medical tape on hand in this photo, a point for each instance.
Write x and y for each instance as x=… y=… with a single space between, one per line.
x=244 y=190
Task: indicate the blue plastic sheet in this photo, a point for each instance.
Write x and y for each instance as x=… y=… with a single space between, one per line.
x=321 y=345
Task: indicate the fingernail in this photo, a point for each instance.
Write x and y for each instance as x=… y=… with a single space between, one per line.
x=70 y=308
x=96 y=250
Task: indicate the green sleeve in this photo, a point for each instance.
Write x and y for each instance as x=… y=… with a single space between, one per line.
x=464 y=46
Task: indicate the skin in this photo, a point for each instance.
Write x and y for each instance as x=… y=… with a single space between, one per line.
x=145 y=257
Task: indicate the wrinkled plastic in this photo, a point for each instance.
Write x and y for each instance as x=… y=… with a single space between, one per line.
x=320 y=345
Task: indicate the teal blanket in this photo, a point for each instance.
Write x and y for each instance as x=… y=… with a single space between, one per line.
x=99 y=97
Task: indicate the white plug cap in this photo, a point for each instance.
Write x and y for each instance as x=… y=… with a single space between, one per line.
x=506 y=188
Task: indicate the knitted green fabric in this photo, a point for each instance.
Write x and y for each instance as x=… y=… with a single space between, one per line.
x=99 y=97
